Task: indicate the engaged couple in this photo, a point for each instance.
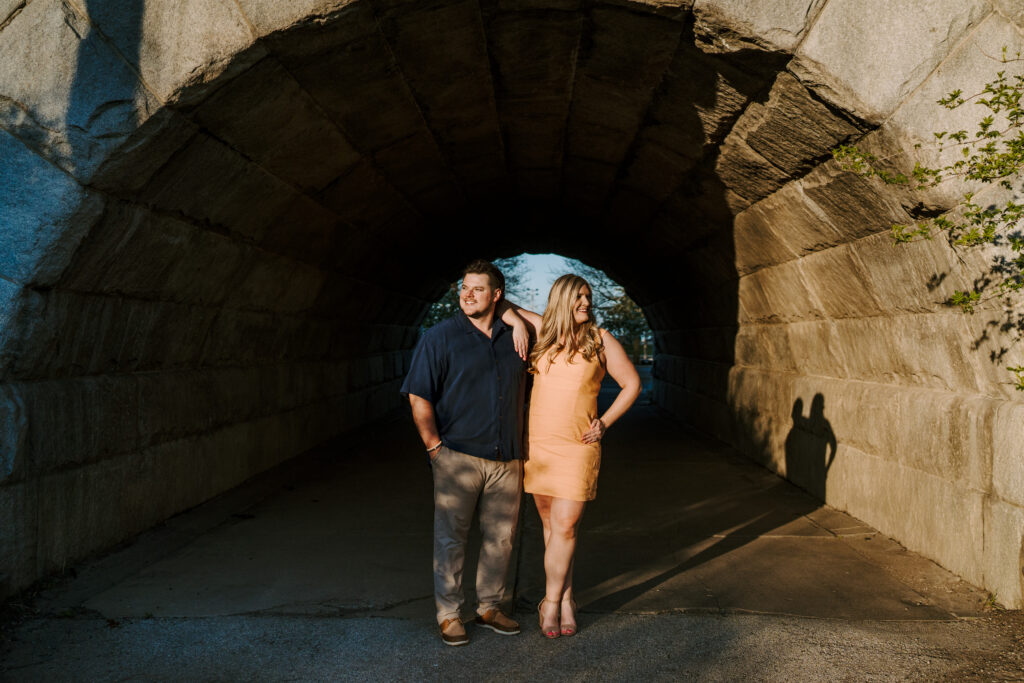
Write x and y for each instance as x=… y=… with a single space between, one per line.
x=467 y=390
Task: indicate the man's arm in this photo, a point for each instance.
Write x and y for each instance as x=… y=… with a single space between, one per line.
x=426 y=424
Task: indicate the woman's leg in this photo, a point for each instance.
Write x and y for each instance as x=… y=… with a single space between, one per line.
x=564 y=520
x=549 y=608
x=543 y=504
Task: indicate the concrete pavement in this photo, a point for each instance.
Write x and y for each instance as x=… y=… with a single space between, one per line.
x=693 y=564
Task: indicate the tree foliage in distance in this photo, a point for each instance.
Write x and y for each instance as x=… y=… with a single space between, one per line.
x=514 y=270
x=993 y=154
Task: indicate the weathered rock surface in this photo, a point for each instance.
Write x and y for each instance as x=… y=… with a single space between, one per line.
x=869 y=62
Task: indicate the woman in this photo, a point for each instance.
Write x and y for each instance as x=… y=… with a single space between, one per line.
x=569 y=360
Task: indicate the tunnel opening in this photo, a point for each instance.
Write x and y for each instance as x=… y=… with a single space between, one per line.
x=256 y=223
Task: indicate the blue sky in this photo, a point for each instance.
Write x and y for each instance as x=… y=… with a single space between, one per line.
x=542 y=271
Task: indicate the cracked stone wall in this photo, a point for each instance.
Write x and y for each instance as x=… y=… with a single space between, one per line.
x=222 y=222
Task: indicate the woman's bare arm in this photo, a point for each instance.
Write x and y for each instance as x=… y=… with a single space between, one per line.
x=531 y=318
x=622 y=371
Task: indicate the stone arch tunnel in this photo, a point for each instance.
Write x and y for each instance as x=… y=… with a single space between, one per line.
x=221 y=223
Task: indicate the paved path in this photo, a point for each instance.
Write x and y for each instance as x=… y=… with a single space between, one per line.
x=693 y=564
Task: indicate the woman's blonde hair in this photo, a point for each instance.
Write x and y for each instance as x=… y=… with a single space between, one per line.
x=559 y=330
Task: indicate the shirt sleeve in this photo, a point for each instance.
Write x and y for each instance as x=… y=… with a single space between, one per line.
x=426 y=370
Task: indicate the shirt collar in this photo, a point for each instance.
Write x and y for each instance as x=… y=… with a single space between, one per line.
x=469 y=328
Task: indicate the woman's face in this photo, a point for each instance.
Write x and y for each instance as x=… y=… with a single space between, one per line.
x=581 y=307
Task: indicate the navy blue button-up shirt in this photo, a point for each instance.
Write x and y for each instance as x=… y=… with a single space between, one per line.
x=476 y=385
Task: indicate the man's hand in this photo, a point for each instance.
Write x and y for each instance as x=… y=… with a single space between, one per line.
x=426 y=424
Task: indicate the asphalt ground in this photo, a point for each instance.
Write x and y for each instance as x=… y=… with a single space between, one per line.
x=693 y=564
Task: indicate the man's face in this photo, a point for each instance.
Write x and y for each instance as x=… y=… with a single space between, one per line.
x=477 y=297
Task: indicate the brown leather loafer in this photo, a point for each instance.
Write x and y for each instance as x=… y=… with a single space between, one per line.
x=453 y=632
x=497 y=622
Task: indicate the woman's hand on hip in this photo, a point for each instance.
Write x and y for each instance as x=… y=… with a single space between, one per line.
x=595 y=431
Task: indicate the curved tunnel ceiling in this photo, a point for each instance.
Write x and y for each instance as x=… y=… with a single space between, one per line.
x=390 y=143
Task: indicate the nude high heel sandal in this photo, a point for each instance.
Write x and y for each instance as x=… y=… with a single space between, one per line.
x=547 y=631
x=570 y=628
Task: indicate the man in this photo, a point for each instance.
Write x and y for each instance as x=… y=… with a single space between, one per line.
x=466 y=387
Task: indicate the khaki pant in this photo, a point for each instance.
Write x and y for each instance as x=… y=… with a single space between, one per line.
x=460 y=481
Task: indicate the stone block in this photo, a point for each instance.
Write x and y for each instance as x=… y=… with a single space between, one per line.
x=759 y=243
x=789 y=217
x=275 y=283
x=928 y=514
x=816 y=347
x=366 y=97
x=363 y=199
x=130 y=252
x=793 y=130
x=19 y=515
x=64 y=90
x=926 y=351
x=173 y=405
x=765 y=346
x=586 y=183
x=143 y=152
x=359 y=374
x=746 y=173
x=616 y=76
x=209 y=273
x=13 y=433
x=840 y=283
x=968 y=68
x=855 y=206
x=869 y=62
x=269 y=118
x=446 y=44
x=243 y=337
x=779 y=294
x=761 y=403
x=46 y=215
x=270 y=16
x=1004 y=553
x=207 y=181
x=533 y=59
x=77 y=421
x=1012 y=10
x=307 y=232
x=698 y=101
x=78 y=333
x=415 y=167
x=915 y=277
x=1008 y=453
x=180 y=47
x=710 y=263
x=732 y=25
x=17 y=304
x=939 y=433
x=80 y=512
x=994 y=348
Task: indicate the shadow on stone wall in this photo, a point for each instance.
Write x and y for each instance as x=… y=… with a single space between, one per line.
x=95 y=118
x=810 y=447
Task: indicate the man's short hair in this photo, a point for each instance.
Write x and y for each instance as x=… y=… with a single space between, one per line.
x=482 y=267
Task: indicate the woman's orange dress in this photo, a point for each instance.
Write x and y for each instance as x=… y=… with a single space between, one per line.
x=562 y=404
